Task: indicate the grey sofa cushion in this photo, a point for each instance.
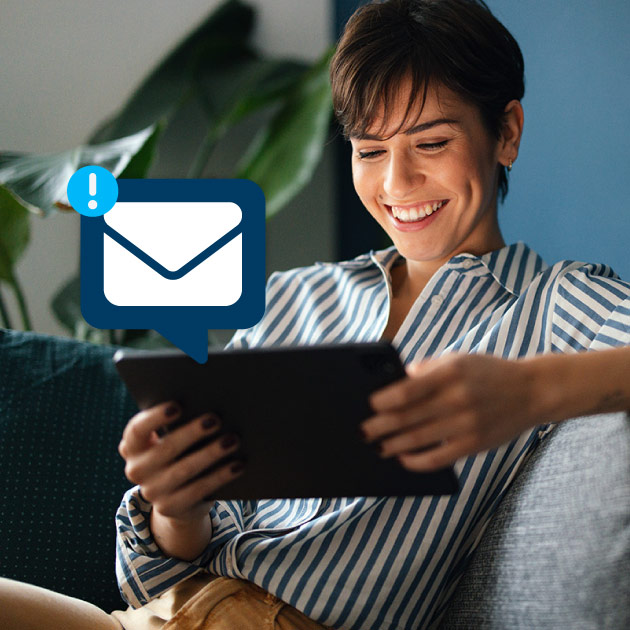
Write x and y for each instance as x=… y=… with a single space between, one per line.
x=557 y=552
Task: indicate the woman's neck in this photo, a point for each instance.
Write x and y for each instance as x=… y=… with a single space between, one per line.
x=410 y=277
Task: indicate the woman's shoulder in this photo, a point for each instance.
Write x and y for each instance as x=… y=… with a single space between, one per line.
x=588 y=277
x=584 y=296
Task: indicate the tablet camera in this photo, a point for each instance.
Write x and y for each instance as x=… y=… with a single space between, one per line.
x=378 y=364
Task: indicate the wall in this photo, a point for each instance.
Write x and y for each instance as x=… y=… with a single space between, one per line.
x=569 y=190
x=68 y=65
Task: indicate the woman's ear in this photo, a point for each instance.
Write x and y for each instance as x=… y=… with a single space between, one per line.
x=511 y=132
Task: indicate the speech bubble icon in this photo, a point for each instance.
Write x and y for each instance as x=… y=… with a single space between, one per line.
x=177 y=256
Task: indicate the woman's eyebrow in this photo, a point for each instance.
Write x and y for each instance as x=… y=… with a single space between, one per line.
x=417 y=129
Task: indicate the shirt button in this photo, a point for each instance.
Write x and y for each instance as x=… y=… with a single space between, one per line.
x=468 y=263
x=437 y=300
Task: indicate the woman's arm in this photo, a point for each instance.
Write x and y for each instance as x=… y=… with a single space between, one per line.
x=164 y=524
x=185 y=540
x=459 y=405
x=582 y=384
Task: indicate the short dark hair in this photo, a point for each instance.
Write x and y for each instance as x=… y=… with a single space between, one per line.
x=455 y=43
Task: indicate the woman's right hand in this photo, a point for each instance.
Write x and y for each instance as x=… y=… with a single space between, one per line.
x=167 y=482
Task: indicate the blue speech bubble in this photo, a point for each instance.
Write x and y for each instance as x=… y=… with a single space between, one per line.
x=92 y=191
x=147 y=265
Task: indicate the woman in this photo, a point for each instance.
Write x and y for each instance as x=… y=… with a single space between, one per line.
x=428 y=93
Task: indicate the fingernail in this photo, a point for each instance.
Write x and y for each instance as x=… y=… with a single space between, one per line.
x=228 y=441
x=170 y=411
x=209 y=422
x=237 y=467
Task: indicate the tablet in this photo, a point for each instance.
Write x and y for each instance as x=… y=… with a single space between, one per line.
x=296 y=410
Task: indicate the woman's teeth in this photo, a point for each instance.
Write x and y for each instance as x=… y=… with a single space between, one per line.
x=417 y=213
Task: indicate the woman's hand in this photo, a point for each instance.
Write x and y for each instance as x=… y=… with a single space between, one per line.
x=453 y=406
x=167 y=480
x=173 y=482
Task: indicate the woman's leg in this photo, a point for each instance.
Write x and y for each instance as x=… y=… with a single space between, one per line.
x=27 y=607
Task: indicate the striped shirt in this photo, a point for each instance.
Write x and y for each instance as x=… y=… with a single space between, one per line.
x=381 y=562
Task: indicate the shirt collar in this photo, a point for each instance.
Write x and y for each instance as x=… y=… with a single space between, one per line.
x=513 y=266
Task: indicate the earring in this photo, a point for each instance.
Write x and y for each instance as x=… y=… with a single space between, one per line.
x=510 y=163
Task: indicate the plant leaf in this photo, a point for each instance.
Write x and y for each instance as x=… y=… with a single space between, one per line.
x=39 y=182
x=221 y=38
x=283 y=156
x=145 y=340
x=235 y=90
x=66 y=304
x=245 y=85
x=140 y=163
x=14 y=233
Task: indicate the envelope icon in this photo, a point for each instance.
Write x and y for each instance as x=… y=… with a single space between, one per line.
x=173 y=253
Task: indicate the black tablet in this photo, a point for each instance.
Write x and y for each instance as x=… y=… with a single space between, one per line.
x=296 y=410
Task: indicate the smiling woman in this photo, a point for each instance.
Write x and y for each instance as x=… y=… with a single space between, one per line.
x=494 y=340
x=429 y=129
x=441 y=172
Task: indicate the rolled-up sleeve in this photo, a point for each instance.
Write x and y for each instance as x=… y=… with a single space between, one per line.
x=142 y=570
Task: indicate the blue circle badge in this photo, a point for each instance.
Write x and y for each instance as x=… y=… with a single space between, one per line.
x=92 y=191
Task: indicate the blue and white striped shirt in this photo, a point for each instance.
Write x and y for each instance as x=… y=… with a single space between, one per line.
x=388 y=563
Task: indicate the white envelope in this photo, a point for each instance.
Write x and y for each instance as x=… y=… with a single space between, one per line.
x=173 y=234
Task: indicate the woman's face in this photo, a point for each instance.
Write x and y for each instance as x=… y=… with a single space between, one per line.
x=433 y=186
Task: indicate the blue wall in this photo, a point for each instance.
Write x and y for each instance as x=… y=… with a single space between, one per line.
x=570 y=188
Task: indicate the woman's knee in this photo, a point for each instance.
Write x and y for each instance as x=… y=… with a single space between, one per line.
x=28 y=607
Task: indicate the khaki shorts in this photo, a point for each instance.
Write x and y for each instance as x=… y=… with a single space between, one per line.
x=208 y=602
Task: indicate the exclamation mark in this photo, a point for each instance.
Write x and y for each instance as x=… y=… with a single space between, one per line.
x=92 y=190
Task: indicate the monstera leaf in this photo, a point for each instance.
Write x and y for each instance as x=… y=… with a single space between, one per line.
x=236 y=90
x=14 y=237
x=14 y=233
x=39 y=182
x=283 y=156
x=221 y=39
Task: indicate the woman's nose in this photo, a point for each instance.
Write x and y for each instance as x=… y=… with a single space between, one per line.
x=403 y=176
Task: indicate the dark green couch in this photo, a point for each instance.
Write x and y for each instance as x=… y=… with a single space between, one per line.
x=556 y=555
x=62 y=412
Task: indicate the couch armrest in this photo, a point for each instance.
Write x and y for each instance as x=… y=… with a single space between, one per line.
x=557 y=552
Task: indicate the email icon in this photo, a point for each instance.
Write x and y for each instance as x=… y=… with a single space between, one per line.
x=179 y=256
x=173 y=254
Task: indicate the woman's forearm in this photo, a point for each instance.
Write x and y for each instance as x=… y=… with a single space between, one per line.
x=580 y=384
x=181 y=539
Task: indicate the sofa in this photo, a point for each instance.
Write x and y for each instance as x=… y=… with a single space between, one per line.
x=555 y=555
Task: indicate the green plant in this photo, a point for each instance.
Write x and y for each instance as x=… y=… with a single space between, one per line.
x=214 y=69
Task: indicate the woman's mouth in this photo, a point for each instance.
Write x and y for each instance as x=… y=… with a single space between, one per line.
x=408 y=214
x=415 y=216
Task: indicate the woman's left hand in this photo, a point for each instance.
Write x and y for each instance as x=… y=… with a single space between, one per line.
x=453 y=406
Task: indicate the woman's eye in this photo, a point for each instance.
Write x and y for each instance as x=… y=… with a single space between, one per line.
x=433 y=146
x=366 y=155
